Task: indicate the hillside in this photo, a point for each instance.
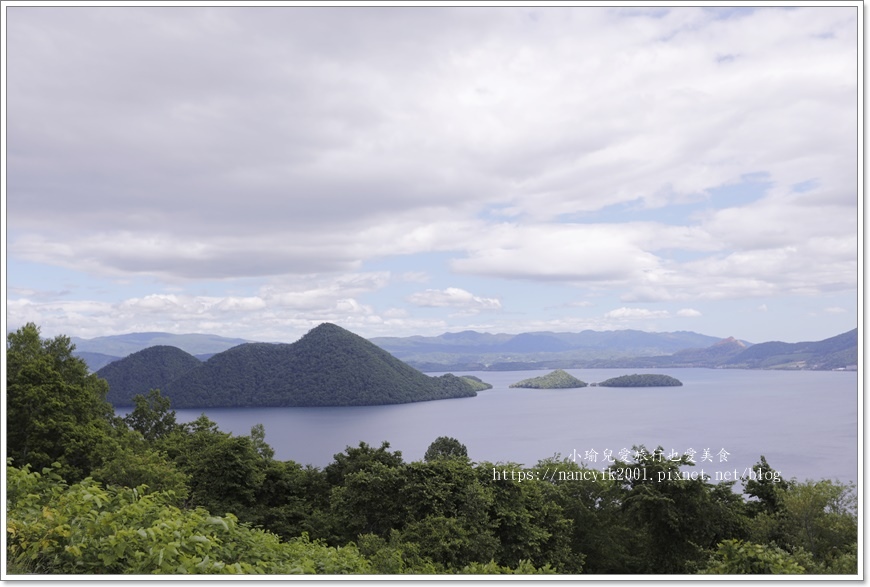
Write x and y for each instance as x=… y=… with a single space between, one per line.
x=143 y=371
x=329 y=366
x=476 y=383
x=558 y=379
x=837 y=352
x=832 y=353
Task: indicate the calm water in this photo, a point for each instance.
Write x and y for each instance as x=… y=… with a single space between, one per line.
x=804 y=422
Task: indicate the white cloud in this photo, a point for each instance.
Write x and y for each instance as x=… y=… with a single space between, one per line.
x=227 y=164
x=688 y=313
x=279 y=311
x=517 y=143
x=454 y=297
x=636 y=314
x=835 y=310
x=560 y=252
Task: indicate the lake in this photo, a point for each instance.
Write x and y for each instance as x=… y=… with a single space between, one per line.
x=804 y=422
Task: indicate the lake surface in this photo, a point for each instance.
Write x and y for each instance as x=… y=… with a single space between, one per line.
x=804 y=422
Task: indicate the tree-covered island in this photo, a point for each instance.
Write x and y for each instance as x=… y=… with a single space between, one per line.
x=642 y=380
x=558 y=379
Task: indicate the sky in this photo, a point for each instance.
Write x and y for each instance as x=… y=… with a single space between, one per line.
x=254 y=172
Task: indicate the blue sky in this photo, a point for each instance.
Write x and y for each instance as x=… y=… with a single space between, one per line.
x=253 y=172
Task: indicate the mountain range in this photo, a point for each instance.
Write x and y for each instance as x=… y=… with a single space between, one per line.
x=838 y=352
x=329 y=366
x=476 y=351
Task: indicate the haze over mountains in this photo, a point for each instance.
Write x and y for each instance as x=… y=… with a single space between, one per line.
x=535 y=350
x=99 y=352
x=475 y=351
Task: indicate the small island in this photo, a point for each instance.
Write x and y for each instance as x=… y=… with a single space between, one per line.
x=645 y=380
x=558 y=379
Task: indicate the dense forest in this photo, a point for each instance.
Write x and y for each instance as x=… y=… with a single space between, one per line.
x=329 y=366
x=557 y=379
x=89 y=492
x=642 y=380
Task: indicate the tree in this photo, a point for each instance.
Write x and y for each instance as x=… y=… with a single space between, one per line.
x=766 y=486
x=445 y=447
x=225 y=471
x=669 y=510
x=56 y=410
x=258 y=438
x=152 y=416
x=821 y=518
x=86 y=528
x=134 y=466
x=355 y=459
x=367 y=502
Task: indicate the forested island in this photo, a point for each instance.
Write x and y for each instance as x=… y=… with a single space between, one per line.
x=329 y=366
x=89 y=492
x=557 y=379
x=642 y=380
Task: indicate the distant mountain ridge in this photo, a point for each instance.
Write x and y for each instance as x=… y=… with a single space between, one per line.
x=838 y=352
x=452 y=347
x=618 y=349
x=470 y=350
x=329 y=366
x=121 y=345
x=476 y=351
x=632 y=342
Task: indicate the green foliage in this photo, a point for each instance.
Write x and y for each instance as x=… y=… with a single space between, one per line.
x=735 y=557
x=87 y=528
x=225 y=471
x=448 y=541
x=355 y=459
x=152 y=416
x=645 y=380
x=529 y=524
x=258 y=439
x=393 y=556
x=816 y=522
x=491 y=568
x=765 y=489
x=447 y=512
x=367 y=501
x=558 y=379
x=56 y=411
x=293 y=500
x=820 y=518
x=445 y=447
x=134 y=466
x=674 y=513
